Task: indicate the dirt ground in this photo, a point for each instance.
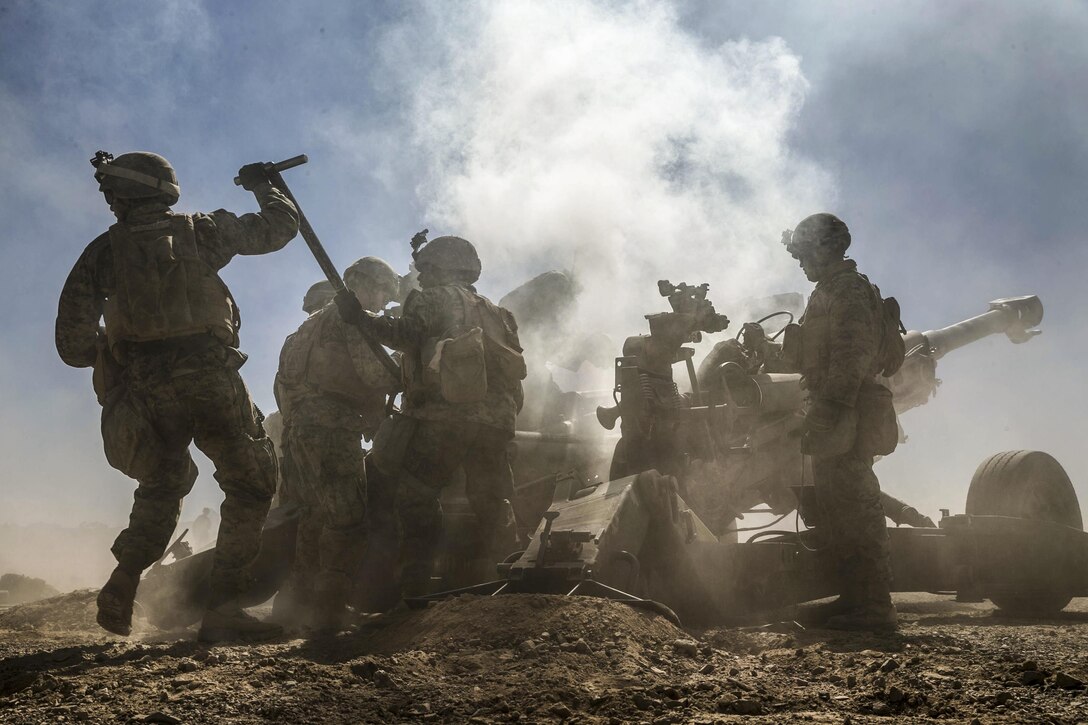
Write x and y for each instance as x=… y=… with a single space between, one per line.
x=531 y=658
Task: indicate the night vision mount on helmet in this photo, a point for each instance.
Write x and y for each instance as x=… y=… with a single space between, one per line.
x=136 y=175
x=450 y=254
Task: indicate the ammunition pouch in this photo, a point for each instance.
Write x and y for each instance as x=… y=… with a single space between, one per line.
x=391 y=444
x=461 y=365
x=877 y=427
x=106 y=374
x=792 y=353
x=129 y=438
x=840 y=439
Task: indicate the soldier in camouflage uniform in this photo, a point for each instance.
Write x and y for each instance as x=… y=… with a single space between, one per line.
x=319 y=295
x=332 y=391
x=840 y=341
x=166 y=370
x=462 y=371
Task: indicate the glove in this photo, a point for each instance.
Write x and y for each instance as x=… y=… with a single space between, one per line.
x=252 y=175
x=822 y=416
x=347 y=304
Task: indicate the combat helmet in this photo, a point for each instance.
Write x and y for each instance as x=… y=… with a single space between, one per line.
x=818 y=230
x=377 y=272
x=136 y=175
x=319 y=295
x=450 y=254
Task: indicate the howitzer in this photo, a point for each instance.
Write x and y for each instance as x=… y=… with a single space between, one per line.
x=644 y=536
x=916 y=382
x=737 y=450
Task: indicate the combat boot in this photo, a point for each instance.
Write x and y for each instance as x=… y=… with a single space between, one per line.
x=874 y=612
x=230 y=623
x=115 y=602
x=818 y=614
x=331 y=614
x=292 y=607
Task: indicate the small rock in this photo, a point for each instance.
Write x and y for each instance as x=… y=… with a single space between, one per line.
x=851 y=680
x=364 y=669
x=849 y=662
x=747 y=707
x=187 y=665
x=561 y=710
x=161 y=717
x=528 y=649
x=1028 y=666
x=582 y=647
x=882 y=708
x=889 y=665
x=1067 y=682
x=642 y=702
x=819 y=670
x=976 y=721
x=725 y=704
x=708 y=669
x=1032 y=677
x=384 y=680
x=895 y=694
x=880 y=682
x=1003 y=697
x=686 y=647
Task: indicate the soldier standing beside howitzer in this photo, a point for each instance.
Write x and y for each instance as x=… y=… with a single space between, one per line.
x=166 y=371
x=462 y=370
x=319 y=295
x=847 y=336
x=332 y=391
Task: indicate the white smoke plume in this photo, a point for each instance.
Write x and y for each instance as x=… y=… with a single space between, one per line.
x=605 y=139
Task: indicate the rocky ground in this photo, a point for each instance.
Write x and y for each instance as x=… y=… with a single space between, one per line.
x=548 y=659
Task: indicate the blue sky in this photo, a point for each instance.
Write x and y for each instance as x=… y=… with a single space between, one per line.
x=632 y=140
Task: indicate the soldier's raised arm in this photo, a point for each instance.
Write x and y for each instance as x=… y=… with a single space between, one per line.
x=261 y=232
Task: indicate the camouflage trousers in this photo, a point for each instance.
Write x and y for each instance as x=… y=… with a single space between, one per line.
x=329 y=484
x=432 y=453
x=848 y=496
x=200 y=398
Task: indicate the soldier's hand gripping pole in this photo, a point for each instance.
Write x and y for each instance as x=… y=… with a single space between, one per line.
x=322 y=257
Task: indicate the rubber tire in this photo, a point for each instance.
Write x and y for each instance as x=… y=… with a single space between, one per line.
x=1028 y=485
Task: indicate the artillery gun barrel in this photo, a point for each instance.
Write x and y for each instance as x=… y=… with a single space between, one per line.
x=1014 y=316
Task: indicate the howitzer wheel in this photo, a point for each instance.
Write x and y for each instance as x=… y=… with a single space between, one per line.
x=1028 y=485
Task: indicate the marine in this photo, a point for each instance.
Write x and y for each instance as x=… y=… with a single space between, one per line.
x=317 y=296
x=462 y=371
x=166 y=366
x=839 y=348
x=332 y=393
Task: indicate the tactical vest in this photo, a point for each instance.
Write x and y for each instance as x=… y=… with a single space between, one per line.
x=163 y=289
x=311 y=360
x=503 y=363
x=815 y=332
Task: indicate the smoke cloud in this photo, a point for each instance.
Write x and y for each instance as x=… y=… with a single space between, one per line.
x=606 y=140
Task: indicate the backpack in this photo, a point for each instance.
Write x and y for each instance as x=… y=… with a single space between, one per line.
x=892 y=348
